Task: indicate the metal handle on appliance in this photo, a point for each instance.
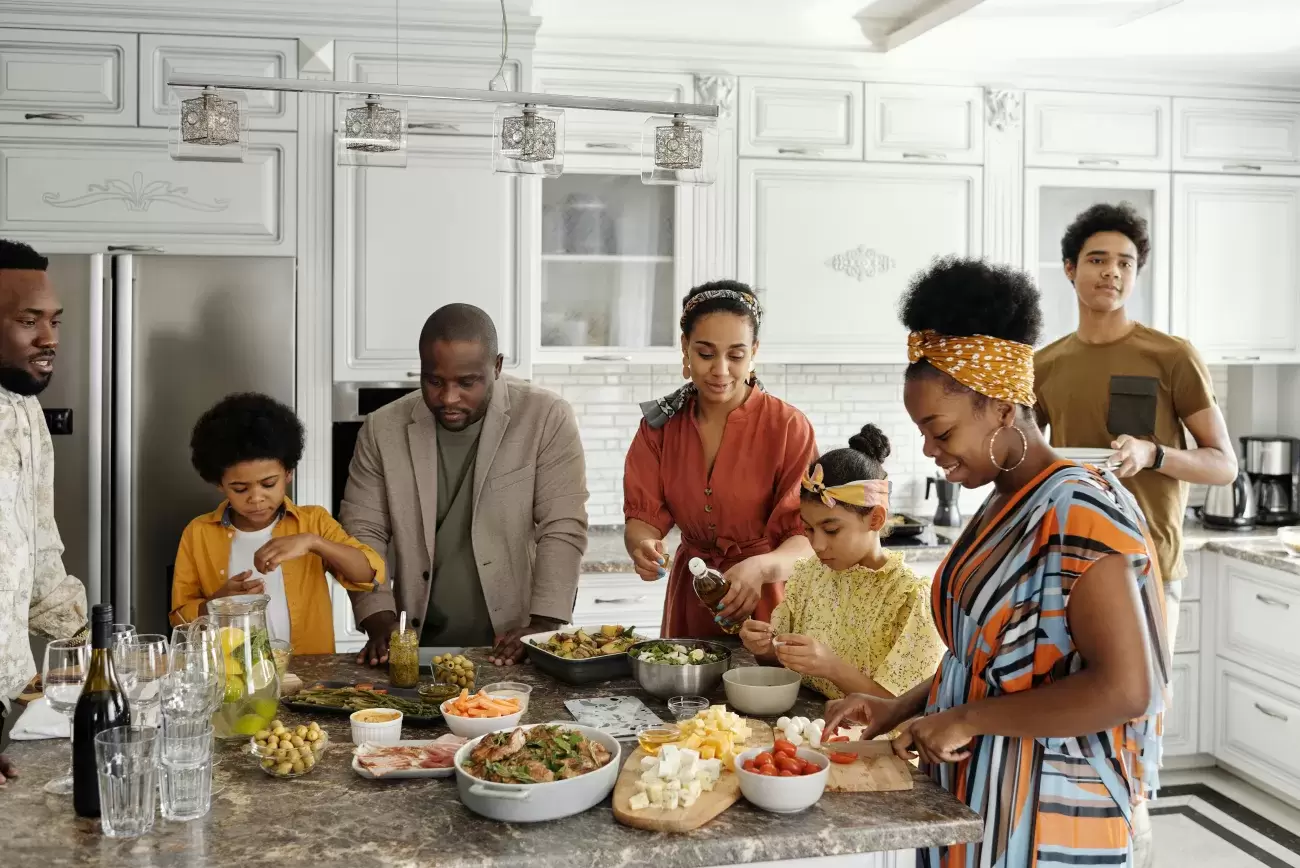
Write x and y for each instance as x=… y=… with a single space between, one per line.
x=807 y=152
x=434 y=125
x=52 y=116
x=922 y=156
x=133 y=248
x=1276 y=715
x=607 y=358
x=1241 y=358
x=96 y=578
x=608 y=146
x=1242 y=167
x=621 y=600
x=1273 y=601
x=415 y=374
x=1097 y=161
x=123 y=406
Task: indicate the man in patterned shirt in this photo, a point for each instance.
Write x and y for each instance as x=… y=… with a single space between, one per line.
x=36 y=594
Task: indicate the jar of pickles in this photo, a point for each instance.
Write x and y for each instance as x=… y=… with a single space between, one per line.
x=404 y=658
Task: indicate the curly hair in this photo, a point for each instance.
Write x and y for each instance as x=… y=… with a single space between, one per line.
x=864 y=458
x=245 y=427
x=1122 y=218
x=719 y=305
x=22 y=257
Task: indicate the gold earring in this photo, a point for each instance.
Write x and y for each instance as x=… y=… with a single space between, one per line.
x=1024 y=448
x=686 y=368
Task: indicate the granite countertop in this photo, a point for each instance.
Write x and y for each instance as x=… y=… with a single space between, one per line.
x=333 y=817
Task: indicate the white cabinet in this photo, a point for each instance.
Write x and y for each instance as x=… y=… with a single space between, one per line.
x=1236 y=267
x=1236 y=136
x=163 y=56
x=1097 y=130
x=831 y=247
x=819 y=120
x=422 y=66
x=67 y=76
x=1182 y=727
x=67 y=188
x=407 y=241
x=1053 y=199
x=611 y=133
x=1188 y=639
x=620 y=598
x=925 y=123
x=1259 y=618
x=1257 y=727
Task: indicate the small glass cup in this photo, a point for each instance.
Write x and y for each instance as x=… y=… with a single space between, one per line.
x=126 y=758
x=686 y=707
x=282 y=652
x=652 y=738
x=186 y=769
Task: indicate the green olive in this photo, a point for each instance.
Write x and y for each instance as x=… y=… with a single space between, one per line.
x=299 y=767
x=268 y=763
x=309 y=760
x=276 y=724
x=284 y=768
x=262 y=734
x=300 y=731
x=297 y=741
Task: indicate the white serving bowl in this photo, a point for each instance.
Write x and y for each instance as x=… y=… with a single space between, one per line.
x=388 y=732
x=510 y=690
x=1289 y=537
x=783 y=795
x=763 y=691
x=474 y=727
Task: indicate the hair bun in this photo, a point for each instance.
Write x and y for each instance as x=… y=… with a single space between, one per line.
x=871 y=442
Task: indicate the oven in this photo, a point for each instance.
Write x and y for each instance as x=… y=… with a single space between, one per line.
x=352 y=403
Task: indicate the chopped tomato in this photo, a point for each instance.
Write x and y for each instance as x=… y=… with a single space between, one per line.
x=843 y=758
x=838 y=738
x=786 y=773
x=763 y=759
x=785 y=747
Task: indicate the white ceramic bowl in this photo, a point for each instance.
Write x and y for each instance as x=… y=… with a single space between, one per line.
x=763 y=691
x=474 y=727
x=1290 y=539
x=389 y=732
x=783 y=795
x=510 y=690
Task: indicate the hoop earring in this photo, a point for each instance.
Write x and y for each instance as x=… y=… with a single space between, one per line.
x=1024 y=448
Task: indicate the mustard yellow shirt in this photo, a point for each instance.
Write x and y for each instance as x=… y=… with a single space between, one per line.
x=878 y=621
x=204 y=554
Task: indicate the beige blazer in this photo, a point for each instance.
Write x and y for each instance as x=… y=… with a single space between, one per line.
x=530 y=505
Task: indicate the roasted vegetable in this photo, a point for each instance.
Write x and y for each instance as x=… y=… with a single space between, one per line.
x=357 y=698
x=581 y=645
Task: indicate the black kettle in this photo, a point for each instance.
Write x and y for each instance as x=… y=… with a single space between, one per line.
x=946 y=514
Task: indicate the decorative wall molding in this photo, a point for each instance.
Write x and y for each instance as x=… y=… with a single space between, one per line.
x=719 y=90
x=861 y=263
x=1005 y=109
x=1004 y=177
x=136 y=195
x=316 y=56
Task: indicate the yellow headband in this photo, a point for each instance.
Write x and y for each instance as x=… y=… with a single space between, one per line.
x=863 y=492
x=996 y=368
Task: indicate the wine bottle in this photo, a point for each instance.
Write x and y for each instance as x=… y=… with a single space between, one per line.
x=710 y=587
x=102 y=705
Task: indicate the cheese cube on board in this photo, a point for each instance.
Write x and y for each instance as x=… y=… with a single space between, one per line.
x=639 y=802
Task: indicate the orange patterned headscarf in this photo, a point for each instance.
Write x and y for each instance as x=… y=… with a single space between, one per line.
x=863 y=492
x=996 y=368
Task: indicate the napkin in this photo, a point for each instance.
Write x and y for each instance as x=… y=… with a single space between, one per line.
x=41 y=721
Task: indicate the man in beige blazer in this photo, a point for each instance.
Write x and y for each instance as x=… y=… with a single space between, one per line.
x=476 y=488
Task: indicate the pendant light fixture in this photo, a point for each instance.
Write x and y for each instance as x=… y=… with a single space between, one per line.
x=528 y=141
x=675 y=150
x=371 y=132
x=210 y=126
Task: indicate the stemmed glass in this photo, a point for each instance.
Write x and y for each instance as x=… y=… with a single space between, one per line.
x=141 y=663
x=123 y=633
x=64 y=673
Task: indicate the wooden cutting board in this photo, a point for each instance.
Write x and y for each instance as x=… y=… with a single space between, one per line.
x=881 y=771
x=725 y=793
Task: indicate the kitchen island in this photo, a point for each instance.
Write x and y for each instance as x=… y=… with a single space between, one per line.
x=333 y=817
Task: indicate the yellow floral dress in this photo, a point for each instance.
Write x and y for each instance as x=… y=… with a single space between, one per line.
x=878 y=621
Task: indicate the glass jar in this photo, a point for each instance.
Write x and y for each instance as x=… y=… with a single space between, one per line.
x=252 y=696
x=404 y=658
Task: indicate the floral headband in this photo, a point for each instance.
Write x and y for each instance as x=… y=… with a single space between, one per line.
x=745 y=298
x=863 y=492
x=996 y=368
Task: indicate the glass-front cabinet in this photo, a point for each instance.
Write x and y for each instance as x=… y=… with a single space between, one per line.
x=614 y=263
x=1053 y=198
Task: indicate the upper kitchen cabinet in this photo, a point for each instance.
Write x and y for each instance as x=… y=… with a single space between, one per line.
x=914 y=123
x=818 y=120
x=610 y=133
x=1236 y=136
x=615 y=260
x=429 y=66
x=1053 y=198
x=407 y=241
x=162 y=56
x=1236 y=267
x=1097 y=130
x=67 y=77
x=67 y=189
x=831 y=247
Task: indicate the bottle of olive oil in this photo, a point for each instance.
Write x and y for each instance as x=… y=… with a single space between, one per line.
x=711 y=586
x=102 y=705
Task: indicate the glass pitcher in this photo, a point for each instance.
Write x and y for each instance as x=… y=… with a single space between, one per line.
x=252 y=694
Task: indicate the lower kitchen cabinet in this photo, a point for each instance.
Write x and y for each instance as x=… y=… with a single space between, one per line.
x=621 y=598
x=1182 y=719
x=1257 y=726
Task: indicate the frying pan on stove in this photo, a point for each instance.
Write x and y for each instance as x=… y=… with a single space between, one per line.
x=903 y=525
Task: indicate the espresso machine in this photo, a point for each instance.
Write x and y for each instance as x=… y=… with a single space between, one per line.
x=1273 y=464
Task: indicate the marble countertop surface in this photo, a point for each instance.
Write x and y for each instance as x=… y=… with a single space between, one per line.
x=333 y=817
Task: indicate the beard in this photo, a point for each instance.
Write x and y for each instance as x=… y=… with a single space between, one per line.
x=21 y=381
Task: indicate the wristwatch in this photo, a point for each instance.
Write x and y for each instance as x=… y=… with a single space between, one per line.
x=1160 y=458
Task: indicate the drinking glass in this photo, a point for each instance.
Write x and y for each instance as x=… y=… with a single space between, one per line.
x=64 y=672
x=126 y=758
x=141 y=663
x=123 y=633
x=186 y=769
x=194 y=682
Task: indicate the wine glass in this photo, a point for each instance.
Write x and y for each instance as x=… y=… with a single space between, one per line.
x=123 y=633
x=141 y=663
x=64 y=673
x=195 y=682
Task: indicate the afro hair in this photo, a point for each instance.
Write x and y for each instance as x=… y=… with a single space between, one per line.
x=964 y=297
x=245 y=427
x=1122 y=218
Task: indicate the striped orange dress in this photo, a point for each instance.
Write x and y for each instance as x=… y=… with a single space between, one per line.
x=1000 y=602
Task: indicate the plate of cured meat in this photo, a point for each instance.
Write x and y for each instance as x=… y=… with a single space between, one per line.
x=407 y=759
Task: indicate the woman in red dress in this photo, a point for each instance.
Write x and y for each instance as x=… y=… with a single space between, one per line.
x=721 y=459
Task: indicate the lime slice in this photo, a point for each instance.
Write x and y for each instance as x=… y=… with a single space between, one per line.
x=265 y=707
x=249 y=724
x=234 y=690
x=233 y=667
x=260 y=674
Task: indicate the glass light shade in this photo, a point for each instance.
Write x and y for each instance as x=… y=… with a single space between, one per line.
x=210 y=126
x=679 y=150
x=370 y=132
x=527 y=140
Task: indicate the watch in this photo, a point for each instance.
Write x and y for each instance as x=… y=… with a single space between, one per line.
x=1160 y=458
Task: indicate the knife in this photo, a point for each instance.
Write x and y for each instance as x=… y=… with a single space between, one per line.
x=869 y=747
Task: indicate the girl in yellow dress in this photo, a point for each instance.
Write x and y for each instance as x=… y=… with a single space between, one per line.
x=855 y=618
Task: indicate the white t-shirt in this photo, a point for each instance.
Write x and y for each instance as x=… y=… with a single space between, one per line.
x=242 y=549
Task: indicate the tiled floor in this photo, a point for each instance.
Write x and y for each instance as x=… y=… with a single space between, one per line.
x=1208 y=819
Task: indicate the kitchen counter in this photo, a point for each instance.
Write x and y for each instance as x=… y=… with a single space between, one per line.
x=333 y=817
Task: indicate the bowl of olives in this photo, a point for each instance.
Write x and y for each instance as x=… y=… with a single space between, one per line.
x=454 y=669
x=289 y=752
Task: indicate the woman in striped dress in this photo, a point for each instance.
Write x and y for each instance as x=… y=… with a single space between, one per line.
x=1044 y=714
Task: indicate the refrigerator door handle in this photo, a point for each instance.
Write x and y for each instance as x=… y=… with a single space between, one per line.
x=97 y=581
x=123 y=403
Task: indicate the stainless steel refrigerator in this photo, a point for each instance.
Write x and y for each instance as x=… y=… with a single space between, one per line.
x=148 y=343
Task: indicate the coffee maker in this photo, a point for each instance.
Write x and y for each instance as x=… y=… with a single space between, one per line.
x=1273 y=464
x=947 y=515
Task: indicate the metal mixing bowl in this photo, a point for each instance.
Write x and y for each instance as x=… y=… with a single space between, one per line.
x=665 y=680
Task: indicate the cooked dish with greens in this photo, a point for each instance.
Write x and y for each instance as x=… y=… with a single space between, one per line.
x=677 y=655
x=581 y=645
x=535 y=756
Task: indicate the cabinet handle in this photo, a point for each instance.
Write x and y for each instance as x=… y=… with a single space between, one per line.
x=1241 y=358
x=1273 y=601
x=1242 y=167
x=1276 y=715
x=807 y=152
x=920 y=156
x=622 y=600
x=607 y=358
x=608 y=146
x=415 y=374
x=434 y=125
x=1097 y=161
x=133 y=248
x=53 y=116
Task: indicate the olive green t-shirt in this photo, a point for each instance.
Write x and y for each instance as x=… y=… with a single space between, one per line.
x=458 y=613
x=1144 y=384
